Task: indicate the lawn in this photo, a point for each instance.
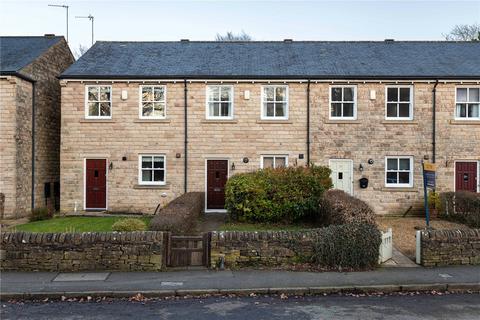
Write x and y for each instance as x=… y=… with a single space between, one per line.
x=403 y=229
x=239 y=226
x=73 y=224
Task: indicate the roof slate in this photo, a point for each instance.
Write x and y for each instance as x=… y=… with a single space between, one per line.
x=17 y=52
x=297 y=59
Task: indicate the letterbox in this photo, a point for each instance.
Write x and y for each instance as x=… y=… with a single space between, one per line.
x=363 y=183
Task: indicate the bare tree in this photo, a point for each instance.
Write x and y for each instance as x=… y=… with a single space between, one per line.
x=230 y=36
x=80 y=51
x=464 y=32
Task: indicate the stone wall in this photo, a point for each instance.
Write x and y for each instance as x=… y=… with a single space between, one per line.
x=130 y=251
x=15 y=146
x=264 y=248
x=450 y=247
x=45 y=70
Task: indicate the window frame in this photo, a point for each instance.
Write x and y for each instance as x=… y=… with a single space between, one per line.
x=140 y=170
x=87 y=108
x=207 y=102
x=456 y=117
x=263 y=115
x=411 y=172
x=354 y=117
x=140 y=101
x=274 y=158
x=411 y=102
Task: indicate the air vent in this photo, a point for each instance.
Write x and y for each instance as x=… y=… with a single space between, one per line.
x=49 y=35
x=288 y=40
x=389 y=40
x=184 y=40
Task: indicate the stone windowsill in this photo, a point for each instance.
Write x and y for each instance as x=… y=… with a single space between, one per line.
x=460 y=122
x=403 y=189
x=274 y=121
x=97 y=121
x=399 y=122
x=219 y=121
x=152 y=121
x=342 y=121
x=157 y=187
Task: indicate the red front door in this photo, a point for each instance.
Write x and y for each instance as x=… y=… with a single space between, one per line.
x=217 y=175
x=466 y=176
x=96 y=184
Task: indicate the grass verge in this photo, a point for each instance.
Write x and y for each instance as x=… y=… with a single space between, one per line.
x=72 y=224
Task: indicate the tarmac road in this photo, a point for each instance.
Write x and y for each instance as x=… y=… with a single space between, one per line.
x=420 y=306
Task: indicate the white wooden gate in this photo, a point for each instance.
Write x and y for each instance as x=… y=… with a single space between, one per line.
x=386 y=248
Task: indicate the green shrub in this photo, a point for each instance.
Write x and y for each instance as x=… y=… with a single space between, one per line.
x=434 y=200
x=180 y=215
x=42 y=213
x=129 y=224
x=338 y=207
x=277 y=195
x=462 y=206
x=352 y=246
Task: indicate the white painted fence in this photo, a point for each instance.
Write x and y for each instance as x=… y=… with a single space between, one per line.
x=386 y=248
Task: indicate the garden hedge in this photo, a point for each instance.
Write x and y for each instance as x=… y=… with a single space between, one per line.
x=462 y=206
x=180 y=215
x=338 y=207
x=284 y=195
x=352 y=246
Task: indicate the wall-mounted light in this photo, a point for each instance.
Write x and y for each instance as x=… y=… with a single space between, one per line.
x=370 y=161
x=124 y=95
x=124 y=158
x=360 y=167
x=233 y=166
x=110 y=166
x=178 y=155
x=245 y=160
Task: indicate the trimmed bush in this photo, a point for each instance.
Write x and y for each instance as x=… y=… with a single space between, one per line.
x=350 y=246
x=462 y=206
x=338 y=207
x=42 y=213
x=180 y=215
x=129 y=224
x=277 y=195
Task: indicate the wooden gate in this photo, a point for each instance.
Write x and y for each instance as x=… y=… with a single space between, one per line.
x=186 y=251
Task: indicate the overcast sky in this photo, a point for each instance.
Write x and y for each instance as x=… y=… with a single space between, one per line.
x=263 y=20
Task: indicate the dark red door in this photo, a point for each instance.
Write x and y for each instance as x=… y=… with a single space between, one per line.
x=96 y=184
x=217 y=174
x=466 y=176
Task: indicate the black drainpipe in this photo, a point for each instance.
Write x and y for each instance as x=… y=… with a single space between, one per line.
x=185 y=93
x=434 y=119
x=308 y=123
x=33 y=146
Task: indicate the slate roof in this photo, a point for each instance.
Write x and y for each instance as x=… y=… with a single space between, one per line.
x=17 y=52
x=274 y=60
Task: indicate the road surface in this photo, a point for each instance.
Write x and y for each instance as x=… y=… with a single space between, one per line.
x=423 y=306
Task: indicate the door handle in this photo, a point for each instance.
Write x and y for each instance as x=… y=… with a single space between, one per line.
x=216 y=189
x=95 y=189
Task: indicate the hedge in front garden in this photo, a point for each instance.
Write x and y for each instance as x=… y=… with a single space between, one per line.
x=180 y=215
x=462 y=206
x=338 y=207
x=352 y=246
x=277 y=195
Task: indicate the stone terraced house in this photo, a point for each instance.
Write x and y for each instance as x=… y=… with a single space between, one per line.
x=30 y=122
x=143 y=122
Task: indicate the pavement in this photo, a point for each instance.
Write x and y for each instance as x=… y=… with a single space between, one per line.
x=332 y=307
x=19 y=285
